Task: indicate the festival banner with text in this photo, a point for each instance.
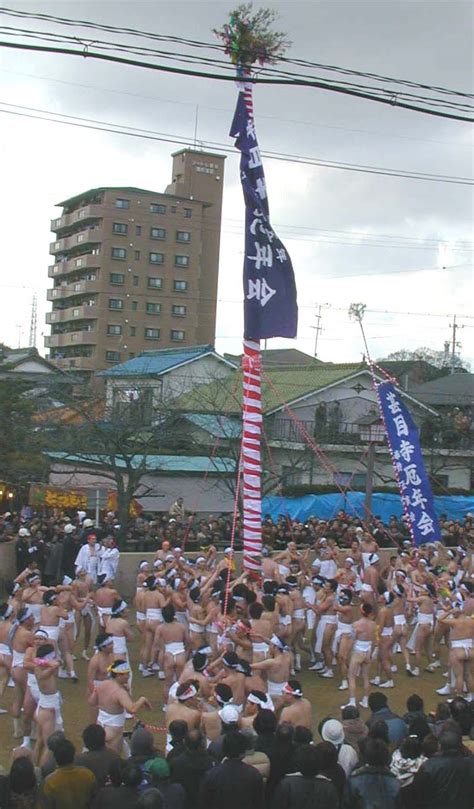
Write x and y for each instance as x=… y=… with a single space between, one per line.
x=404 y=443
x=270 y=308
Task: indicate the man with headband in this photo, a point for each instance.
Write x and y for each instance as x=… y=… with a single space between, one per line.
x=364 y=633
x=186 y=708
x=104 y=597
x=48 y=713
x=297 y=709
x=32 y=694
x=114 y=702
x=277 y=668
x=21 y=637
x=98 y=668
x=6 y=623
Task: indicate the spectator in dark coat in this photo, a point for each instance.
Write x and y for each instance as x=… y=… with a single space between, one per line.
x=265 y=725
x=189 y=768
x=308 y=788
x=232 y=784
x=373 y=785
x=98 y=758
x=178 y=730
x=446 y=781
x=281 y=758
x=124 y=793
x=158 y=773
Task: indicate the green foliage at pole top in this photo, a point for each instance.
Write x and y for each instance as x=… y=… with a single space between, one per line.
x=249 y=39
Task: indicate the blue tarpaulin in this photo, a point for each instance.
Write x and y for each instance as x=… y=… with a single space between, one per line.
x=326 y=506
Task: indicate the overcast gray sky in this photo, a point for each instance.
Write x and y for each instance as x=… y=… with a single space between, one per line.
x=329 y=219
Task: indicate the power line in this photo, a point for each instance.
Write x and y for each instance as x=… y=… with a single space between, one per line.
x=393 y=100
x=147 y=134
x=219 y=47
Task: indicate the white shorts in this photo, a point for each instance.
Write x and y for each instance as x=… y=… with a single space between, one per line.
x=175 y=649
x=275 y=689
x=51 y=631
x=197 y=628
x=51 y=702
x=111 y=720
x=17 y=661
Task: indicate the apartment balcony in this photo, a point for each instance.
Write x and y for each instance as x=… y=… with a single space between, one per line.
x=89 y=261
x=77 y=240
x=74 y=363
x=72 y=313
x=82 y=214
x=77 y=338
x=69 y=290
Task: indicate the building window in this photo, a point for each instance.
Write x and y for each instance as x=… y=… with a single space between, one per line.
x=80 y=238
x=152 y=334
x=134 y=306
x=122 y=203
x=112 y=356
x=115 y=303
x=136 y=280
x=183 y=236
x=119 y=252
x=131 y=355
x=133 y=331
x=79 y=262
x=188 y=212
x=113 y=329
x=177 y=334
x=137 y=255
x=157 y=208
x=155 y=283
x=156 y=258
x=181 y=261
x=173 y=209
x=75 y=312
x=180 y=286
x=119 y=227
x=116 y=278
x=157 y=233
x=138 y=230
x=153 y=308
x=178 y=311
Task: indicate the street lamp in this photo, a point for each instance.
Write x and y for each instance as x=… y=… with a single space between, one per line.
x=372 y=432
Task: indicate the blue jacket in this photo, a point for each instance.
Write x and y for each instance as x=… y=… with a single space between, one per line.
x=372 y=788
x=397 y=729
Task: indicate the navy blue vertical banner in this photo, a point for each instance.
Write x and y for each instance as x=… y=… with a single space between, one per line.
x=270 y=308
x=404 y=443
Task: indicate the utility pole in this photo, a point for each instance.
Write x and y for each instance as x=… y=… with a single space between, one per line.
x=454 y=344
x=318 y=329
x=33 y=321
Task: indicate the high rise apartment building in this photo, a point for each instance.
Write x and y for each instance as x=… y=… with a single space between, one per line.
x=135 y=269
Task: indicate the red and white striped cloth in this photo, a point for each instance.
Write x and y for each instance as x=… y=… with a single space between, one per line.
x=251 y=455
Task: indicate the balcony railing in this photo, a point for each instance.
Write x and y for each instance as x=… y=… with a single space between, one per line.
x=76 y=240
x=80 y=215
x=76 y=288
x=86 y=261
x=83 y=337
x=72 y=313
x=444 y=436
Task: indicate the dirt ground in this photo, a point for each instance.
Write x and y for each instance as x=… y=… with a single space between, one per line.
x=325 y=697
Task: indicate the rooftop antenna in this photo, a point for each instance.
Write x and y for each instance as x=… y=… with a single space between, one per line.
x=33 y=321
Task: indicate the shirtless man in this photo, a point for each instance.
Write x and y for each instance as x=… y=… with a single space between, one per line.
x=32 y=694
x=297 y=709
x=232 y=676
x=67 y=627
x=364 y=635
x=298 y=622
x=270 y=571
x=21 y=637
x=285 y=609
x=197 y=618
x=98 y=668
x=368 y=547
x=82 y=588
x=196 y=669
x=461 y=653
x=371 y=578
x=277 y=669
x=326 y=609
x=210 y=719
x=104 y=597
x=172 y=638
x=385 y=624
x=33 y=592
x=400 y=626
x=261 y=627
x=424 y=627
x=6 y=623
x=48 y=713
x=114 y=703
x=256 y=701
x=119 y=628
x=154 y=602
x=344 y=637
x=185 y=708
x=51 y=614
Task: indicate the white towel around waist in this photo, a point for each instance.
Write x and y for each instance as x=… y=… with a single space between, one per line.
x=363 y=646
x=18 y=658
x=175 y=648
x=196 y=628
x=119 y=645
x=260 y=648
x=400 y=620
x=51 y=631
x=154 y=614
x=386 y=632
x=111 y=720
x=462 y=643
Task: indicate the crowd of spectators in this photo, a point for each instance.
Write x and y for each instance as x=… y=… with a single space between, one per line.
x=414 y=761
x=51 y=542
